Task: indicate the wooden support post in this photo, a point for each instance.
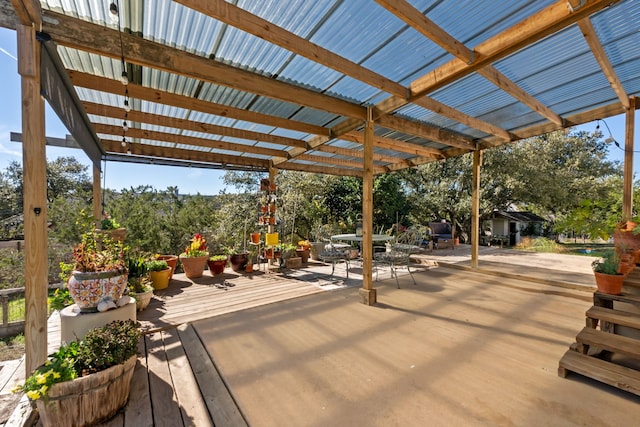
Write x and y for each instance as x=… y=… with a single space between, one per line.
x=34 y=162
x=272 y=179
x=97 y=194
x=627 y=193
x=475 y=207
x=367 y=292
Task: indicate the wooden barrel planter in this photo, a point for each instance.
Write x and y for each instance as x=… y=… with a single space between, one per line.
x=88 y=400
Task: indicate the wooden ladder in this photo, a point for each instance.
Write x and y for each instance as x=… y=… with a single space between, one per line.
x=593 y=353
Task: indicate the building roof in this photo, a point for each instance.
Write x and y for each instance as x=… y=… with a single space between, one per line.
x=290 y=83
x=519 y=216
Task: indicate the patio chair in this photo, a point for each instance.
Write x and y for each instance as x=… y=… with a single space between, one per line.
x=335 y=254
x=400 y=255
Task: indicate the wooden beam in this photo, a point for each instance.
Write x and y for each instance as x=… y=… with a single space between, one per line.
x=591 y=37
x=532 y=29
x=395 y=145
x=367 y=292
x=188 y=140
x=97 y=193
x=427 y=132
x=356 y=153
x=303 y=167
x=475 y=207
x=337 y=162
x=34 y=161
x=100 y=40
x=183 y=154
x=627 y=193
x=473 y=122
x=29 y=12
x=428 y=28
x=508 y=86
x=252 y=24
x=103 y=84
x=184 y=124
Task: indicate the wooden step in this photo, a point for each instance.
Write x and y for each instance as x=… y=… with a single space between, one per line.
x=614 y=343
x=633 y=298
x=618 y=317
x=608 y=373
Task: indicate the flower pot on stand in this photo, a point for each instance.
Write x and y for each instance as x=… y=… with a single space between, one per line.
x=160 y=279
x=194 y=266
x=88 y=400
x=90 y=288
x=239 y=261
x=217 y=266
x=172 y=261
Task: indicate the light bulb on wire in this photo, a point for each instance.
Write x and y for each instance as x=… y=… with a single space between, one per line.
x=125 y=126
x=124 y=142
x=127 y=107
x=124 y=79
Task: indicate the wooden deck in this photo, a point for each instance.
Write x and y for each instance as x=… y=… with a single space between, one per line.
x=458 y=348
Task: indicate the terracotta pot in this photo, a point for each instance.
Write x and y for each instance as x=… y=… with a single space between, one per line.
x=255 y=238
x=172 y=261
x=609 y=283
x=217 y=267
x=88 y=400
x=268 y=253
x=303 y=254
x=88 y=289
x=194 y=266
x=249 y=268
x=160 y=279
x=117 y=234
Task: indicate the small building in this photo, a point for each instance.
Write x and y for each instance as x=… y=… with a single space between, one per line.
x=508 y=227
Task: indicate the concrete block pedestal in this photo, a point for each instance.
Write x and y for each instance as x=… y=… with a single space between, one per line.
x=75 y=325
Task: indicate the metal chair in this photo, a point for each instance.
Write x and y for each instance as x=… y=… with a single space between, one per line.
x=399 y=256
x=334 y=255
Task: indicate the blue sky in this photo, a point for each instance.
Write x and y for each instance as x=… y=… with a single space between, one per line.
x=188 y=180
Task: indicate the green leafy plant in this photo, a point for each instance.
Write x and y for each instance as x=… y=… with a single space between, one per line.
x=98 y=253
x=100 y=349
x=157 y=265
x=218 y=258
x=60 y=299
x=608 y=264
x=108 y=223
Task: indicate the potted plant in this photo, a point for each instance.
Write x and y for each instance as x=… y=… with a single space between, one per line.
x=605 y=269
x=86 y=382
x=159 y=272
x=172 y=261
x=99 y=272
x=139 y=284
x=112 y=228
x=217 y=264
x=238 y=260
x=195 y=257
x=303 y=249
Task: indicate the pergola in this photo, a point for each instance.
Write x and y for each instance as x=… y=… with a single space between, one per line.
x=344 y=87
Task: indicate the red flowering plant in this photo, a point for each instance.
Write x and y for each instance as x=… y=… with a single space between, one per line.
x=198 y=247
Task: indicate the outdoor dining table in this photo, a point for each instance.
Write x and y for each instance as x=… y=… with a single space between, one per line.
x=355 y=238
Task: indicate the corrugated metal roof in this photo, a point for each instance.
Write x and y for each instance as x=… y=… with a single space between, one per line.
x=560 y=71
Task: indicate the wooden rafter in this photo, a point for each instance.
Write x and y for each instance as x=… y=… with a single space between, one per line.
x=252 y=24
x=78 y=34
x=103 y=84
x=183 y=154
x=428 y=132
x=28 y=12
x=591 y=37
x=188 y=140
x=396 y=145
x=177 y=123
x=532 y=29
x=428 y=28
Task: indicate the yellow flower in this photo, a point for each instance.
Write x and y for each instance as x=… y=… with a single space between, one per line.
x=33 y=395
x=43 y=389
x=56 y=375
x=41 y=379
